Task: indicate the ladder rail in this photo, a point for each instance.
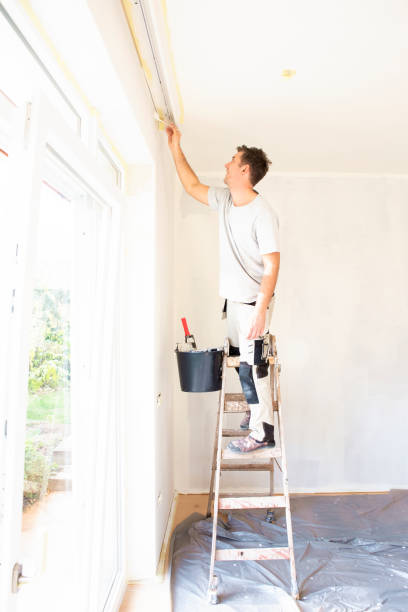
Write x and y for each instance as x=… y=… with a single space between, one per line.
x=214 y=459
x=271 y=378
x=285 y=482
x=218 y=468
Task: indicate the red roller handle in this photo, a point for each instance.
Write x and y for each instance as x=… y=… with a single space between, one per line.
x=185 y=327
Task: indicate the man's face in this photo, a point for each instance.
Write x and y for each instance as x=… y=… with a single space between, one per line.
x=234 y=173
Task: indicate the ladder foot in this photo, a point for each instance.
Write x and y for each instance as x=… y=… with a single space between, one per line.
x=212 y=591
x=270 y=516
x=225 y=522
x=295 y=592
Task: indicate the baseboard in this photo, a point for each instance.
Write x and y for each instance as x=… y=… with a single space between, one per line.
x=162 y=565
x=299 y=491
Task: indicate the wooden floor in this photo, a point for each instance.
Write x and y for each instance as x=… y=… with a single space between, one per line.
x=155 y=595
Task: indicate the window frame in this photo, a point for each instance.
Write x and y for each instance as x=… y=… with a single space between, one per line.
x=45 y=131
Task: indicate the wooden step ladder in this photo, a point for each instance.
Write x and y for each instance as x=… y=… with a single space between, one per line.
x=259 y=460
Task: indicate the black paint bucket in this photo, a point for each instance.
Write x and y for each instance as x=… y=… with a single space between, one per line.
x=200 y=371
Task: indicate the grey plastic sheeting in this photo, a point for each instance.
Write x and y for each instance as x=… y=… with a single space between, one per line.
x=351 y=555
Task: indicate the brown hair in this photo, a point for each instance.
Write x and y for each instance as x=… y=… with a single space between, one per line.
x=257 y=160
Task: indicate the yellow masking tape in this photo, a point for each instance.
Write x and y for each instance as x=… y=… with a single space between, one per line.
x=70 y=77
x=127 y=7
x=173 y=64
x=147 y=70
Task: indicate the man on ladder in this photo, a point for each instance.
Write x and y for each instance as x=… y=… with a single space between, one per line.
x=249 y=266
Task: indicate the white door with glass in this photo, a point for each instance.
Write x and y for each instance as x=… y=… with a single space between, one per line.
x=61 y=505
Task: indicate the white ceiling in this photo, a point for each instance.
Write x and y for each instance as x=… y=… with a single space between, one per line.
x=344 y=111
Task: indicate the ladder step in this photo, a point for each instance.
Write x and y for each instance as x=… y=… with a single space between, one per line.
x=251 y=554
x=263 y=453
x=235 y=402
x=269 y=501
x=247 y=467
x=239 y=494
x=234 y=433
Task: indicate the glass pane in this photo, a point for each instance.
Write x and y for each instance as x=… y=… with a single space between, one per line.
x=17 y=68
x=7 y=113
x=8 y=246
x=6 y=268
x=48 y=529
x=66 y=425
x=20 y=69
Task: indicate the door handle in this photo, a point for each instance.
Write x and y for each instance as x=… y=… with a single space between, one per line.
x=18 y=578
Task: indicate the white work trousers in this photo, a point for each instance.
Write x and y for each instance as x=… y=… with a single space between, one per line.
x=239 y=317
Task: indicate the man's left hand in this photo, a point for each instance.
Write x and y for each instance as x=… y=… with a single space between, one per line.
x=257 y=325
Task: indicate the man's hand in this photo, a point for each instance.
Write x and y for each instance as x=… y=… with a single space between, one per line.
x=257 y=325
x=173 y=136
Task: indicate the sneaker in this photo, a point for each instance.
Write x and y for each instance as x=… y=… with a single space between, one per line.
x=245 y=420
x=248 y=444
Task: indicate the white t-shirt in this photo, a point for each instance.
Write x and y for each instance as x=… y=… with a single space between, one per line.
x=255 y=231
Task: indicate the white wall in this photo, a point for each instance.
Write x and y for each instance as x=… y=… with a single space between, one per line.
x=341 y=326
x=164 y=341
x=147 y=341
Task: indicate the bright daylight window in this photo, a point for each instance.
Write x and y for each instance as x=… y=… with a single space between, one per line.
x=24 y=69
x=64 y=422
x=7 y=110
x=71 y=505
x=49 y=527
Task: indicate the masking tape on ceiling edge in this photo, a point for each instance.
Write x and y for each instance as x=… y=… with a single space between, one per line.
x=71 y=78
x=127 y=7
x=173 y=64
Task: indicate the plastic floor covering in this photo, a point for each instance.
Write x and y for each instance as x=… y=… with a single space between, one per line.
x=351 y=555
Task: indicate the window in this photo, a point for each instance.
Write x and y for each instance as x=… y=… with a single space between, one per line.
x=24 y=70
x=59 y=247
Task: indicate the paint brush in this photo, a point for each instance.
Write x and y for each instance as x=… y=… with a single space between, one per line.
x=156 y=116
x=188 y=338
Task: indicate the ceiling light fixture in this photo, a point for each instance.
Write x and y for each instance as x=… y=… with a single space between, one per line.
x=288 y=73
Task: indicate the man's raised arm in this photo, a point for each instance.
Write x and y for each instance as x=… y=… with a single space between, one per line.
x=187 y=176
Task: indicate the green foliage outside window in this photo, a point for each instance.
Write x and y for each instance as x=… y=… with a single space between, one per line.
x=48 y=386
x=49 y=355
